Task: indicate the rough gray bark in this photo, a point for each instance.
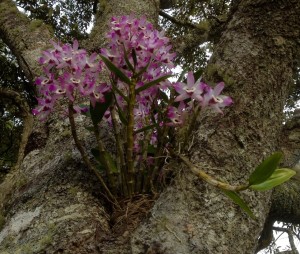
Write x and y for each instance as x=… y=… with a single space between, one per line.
x=147 y=8
x=54 y=208
x=254 y=57
x=57 y=208
x=24 y=38
x=285 y=203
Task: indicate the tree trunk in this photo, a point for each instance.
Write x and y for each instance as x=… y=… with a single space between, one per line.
x=56 y=208
x=254 y=58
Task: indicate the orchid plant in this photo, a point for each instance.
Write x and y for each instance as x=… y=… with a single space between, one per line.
x=137 y=100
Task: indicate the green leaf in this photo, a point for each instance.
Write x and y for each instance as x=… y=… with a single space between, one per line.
x=115 y=88
x=114 y=69
x=98 y=111
x=95 y=152
x=127 y=60
x=198 y=74
x=239 y=201
x=100 y=167
x=151 y=149
x=9 y=125
x=88 y=114
x=121 y=115
x=149 y=127
x=152 y=83
x=163 y=96
x=110 y=162
x=182 y=75
x=104 y=158
x=134 y=57
x=142 y=70
x=89 y=128
x=265 y=169
x=278 y=177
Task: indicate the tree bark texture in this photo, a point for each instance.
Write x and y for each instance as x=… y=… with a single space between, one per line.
x=285 y=199
x=55 y=208
x=255 y=58
x=26 y=39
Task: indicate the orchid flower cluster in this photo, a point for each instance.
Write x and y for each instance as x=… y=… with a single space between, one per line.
x=139 y=101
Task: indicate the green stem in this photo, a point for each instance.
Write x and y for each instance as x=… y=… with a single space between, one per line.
x=111 y=198
x=120 y=153
x=104 y=160
x=141 y=174
x=130 y=141
x=207 y=178
x=158 y=156
x=191 y=127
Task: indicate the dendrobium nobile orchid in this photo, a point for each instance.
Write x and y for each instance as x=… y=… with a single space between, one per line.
x=139 y=101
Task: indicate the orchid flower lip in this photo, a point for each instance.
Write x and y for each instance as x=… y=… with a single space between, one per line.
x=218 y=99
x=176 y=121
x=45 y=81
x=67 y=59
x=75 y=81
x=60 y=91
x=97 y=96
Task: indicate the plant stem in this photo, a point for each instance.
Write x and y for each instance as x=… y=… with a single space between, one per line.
x=85 y=158
x=130 y=141
x=191 y=127
x=158 y=156
x=140 y=182
x=104 y=160
x=120 y=151
x=207 y=178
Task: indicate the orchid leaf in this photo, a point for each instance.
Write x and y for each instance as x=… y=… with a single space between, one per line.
x=114 y=69
x=146 y=128
x=163 y=96
x=264 y=170
x=239 y=201
x=134 y=57
x=152 y=83
x=90 y=128
x=130 y=66
x=122 y=115
x=198 y=74
x=99 y=110
x=115 y=88
x=95 y=152
x=104 y=158
x=87 y=113
x=151 y=149
x=142 y=71
x=184 y=71
x=278 y=177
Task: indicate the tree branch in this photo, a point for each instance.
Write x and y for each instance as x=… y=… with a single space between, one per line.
x=27 y=120
x=5 y=187
x=209 y=179
x=197 y=35
x=291 y=239
x=167 y=4
x=285 y=199
x=176 y=21
x=25 y=38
